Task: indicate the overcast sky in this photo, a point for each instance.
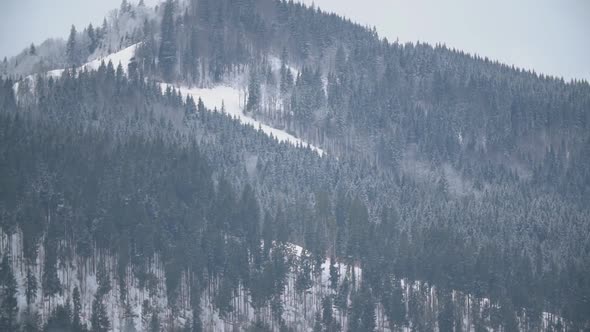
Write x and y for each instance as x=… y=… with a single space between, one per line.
x=550 y=36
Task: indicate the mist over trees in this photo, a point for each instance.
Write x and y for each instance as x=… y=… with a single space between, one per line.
x=464 y=177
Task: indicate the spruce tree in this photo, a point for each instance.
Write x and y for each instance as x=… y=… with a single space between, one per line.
x=334 y=274
x=8 y=302
x=93 y=39
x=60 y=319
x=31 y=320
x=77 y=324
x=72 y=48
x=103 y=279
x=446 y=314
x=99 y=319
x=317 y=325
x=327 y=313
x=154 y=323
x=254 y=94
x=168 y=48
x=30 y=286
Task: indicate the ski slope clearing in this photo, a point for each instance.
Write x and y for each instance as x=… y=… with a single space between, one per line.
x=215 y=97
x=229 y=98
x=122 y=57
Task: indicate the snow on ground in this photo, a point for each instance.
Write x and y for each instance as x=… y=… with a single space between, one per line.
x=276 y=65
x=214 y=97
x=123 y=57
x=232 y=101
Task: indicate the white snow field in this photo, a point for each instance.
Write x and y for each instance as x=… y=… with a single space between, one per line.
x=215 y=97
x=232 y=101
x=122 y=57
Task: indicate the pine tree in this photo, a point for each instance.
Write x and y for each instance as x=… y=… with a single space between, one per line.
x=267 y=234
x=145 y=314
x=99 y=320
x=254 y=94
x=250 y=219
x=129 y=324
x=446 y=315
x=32 y=49
x=8 y=302
x=50 y=280
x=393 y=302
x=154 y=323
x=223 y=298
x=31 y=286
x=317 y=325
x=103 y=279
x=77 y=324
x=72 y=48
x=362 y=312
x=303 y=281
x=168 y=46
x=125 y=6
x=93 y=39
x=327 y=313
x=31 y=320
x=60 y=319
x=334 y=274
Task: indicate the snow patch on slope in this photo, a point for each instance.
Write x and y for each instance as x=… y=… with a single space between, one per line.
x=122 y=57
x=232 y=101
x=222 y=96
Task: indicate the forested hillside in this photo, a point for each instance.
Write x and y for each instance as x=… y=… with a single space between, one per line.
x=457 y=185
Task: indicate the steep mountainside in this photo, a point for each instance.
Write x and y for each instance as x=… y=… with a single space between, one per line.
x=205 y=140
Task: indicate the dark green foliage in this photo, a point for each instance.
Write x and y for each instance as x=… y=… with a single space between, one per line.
x=92 y=36
x=154 y=323
x=446 y=313
x=167 y=55
x=8 y=291
x=393 y=302
x=254 y=94
x=72 y=52
x=362 y=311
x=77 y=324
x=317 y=325
x=61 y=320
x=303 y=281
x=31 y=321
x=223 y=298
x=99 y=320
x=328 y=320
x=442 y=167
x=51 y=283
x=30 y=286
x=103 y=279
x=334 y=274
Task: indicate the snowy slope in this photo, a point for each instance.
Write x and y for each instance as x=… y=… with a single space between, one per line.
x=299 y=309
x=232 y=101
x=228 y=96
x=122 y=57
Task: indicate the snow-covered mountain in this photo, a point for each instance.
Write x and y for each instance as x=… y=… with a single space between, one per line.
x=443 y=186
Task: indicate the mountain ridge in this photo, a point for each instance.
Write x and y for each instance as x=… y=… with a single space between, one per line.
x=440 y=167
